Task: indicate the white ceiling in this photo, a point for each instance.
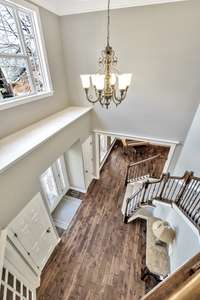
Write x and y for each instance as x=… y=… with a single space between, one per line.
x=68 y=7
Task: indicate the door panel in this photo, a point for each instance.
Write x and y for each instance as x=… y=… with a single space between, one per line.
x=34 y=231
x=87 y=148
x=49 y=187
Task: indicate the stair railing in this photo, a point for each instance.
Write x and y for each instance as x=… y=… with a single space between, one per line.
x=133 y=203
x=141 y=168
x=184 y=192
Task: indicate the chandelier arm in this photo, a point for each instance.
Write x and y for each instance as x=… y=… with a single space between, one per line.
x=115 y=101
x=122 y=96
x=91 y=97
x=102 y=101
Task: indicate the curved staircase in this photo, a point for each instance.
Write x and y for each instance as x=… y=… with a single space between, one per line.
x=144 y=192
x=182 y=192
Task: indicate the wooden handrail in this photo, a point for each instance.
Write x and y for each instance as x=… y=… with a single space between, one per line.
x=182 y=177
x=144 y=160
x=174 y=190
x=133 y=167
x=136 y=144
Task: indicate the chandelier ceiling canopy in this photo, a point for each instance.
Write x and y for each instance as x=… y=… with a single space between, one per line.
x=107 y=85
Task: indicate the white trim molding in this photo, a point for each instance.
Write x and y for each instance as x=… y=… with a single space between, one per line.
x=64 y=7
x=156 y=141
x=84 y=191
x=3 y=238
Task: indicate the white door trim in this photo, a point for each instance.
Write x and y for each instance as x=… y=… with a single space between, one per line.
x=88 y=161
x=162 y=142
x=3 y=238
x=107 y=154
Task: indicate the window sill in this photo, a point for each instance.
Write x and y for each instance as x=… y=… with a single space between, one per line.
x=24 y=100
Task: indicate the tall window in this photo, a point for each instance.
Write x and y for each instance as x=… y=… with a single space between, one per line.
x=23 y=71
x=54 y=183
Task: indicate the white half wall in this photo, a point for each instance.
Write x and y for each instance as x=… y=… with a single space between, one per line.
x=187 y=241
x=20 y=182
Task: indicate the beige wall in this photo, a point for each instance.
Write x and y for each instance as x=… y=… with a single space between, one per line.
x=189 y=158
x=21 y=116
x=159 y=44
x=20 y=183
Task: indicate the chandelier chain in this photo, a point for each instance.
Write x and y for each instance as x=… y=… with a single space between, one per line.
x=108 y=25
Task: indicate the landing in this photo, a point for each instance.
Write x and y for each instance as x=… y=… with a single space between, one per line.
x=99 y=257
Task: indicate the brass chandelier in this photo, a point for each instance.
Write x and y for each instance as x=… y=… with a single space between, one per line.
x=107 y=85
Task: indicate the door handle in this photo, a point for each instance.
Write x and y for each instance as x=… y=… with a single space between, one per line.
x=86 y=171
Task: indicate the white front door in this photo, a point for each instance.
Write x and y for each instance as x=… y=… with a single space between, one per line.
x=87 y=148
x=34 y=231
x=54 y=183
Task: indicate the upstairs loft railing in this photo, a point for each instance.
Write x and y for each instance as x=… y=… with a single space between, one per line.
x=183 y=191
x=151 y=167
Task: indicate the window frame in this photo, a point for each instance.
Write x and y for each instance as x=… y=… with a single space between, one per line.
x=39 y=37
x=60 y=178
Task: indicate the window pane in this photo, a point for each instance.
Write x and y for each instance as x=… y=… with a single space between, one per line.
x=18 y=286
x=1 y=292
x=9 y=295
x=31 y=49
x=14 y=78
x=24 y=291
x=4 y=274
x=49 y=187
x=9 y=39
x=10 y=279
x=30 y=295
x=61 y=174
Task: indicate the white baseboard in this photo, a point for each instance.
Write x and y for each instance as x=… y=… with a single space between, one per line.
x=78 y=189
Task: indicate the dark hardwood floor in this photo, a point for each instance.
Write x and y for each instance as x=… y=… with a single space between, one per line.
x=99 y=257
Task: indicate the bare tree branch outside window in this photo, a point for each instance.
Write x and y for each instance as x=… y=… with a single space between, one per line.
x=20 y=64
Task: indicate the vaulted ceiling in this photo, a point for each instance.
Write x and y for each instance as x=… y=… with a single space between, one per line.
x=67 y=7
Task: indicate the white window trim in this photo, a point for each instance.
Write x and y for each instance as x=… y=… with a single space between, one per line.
x=43 y=55
x=61 y=189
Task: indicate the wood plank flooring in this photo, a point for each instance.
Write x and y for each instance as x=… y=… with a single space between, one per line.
x=100 y=257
